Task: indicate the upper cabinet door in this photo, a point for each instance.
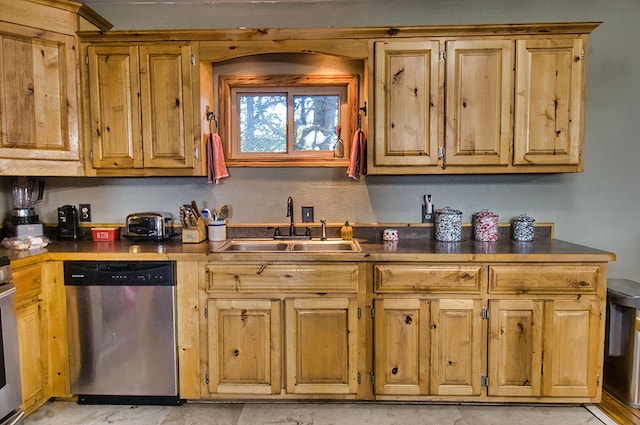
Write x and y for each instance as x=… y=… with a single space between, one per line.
x=38 y=102
x=167 y=107
x=141 y=107
x=479 y=99
x=408 y=98
x=549 y=102
x=115 y=116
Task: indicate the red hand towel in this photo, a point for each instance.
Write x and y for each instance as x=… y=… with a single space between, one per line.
x=216 y=166
x=358 y=157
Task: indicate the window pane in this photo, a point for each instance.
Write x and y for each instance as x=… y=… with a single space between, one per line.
x=263 y=123
x=315 y=122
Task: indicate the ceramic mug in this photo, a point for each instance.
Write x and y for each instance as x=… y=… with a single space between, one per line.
x=390 y=235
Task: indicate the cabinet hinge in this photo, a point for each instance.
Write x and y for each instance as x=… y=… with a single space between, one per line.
x=372 y=378
x=359 y=317
x=196 y=153
x=485 y=313
x=597 y=381
x=359 y=378
x=582 y=54
x=86 y=59
x=91 y=154
x=372 y=312
x=443 y=55
x=206 y=377
x=206 y=311
x=600 y=313
x=484 y=381
x=192 y=59
x=441 y=151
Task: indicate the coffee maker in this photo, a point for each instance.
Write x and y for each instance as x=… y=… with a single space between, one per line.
x=27 y=192
x=68 y=223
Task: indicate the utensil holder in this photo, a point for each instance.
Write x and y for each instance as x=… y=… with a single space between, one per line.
x=196 y=234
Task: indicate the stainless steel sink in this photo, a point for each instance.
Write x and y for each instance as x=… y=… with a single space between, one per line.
x=268 y=245
x=254 y=246
x=326 y=246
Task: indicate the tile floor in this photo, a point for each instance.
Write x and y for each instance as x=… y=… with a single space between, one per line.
x=68 y=413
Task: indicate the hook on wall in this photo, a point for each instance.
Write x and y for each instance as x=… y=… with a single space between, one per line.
x=211 y=117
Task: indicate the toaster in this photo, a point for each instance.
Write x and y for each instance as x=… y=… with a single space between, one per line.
x=149 y=226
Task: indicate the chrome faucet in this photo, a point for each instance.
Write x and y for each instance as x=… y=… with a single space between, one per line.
x=323 y=223
x=292 y=227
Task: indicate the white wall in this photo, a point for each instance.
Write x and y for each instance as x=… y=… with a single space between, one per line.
x=596 y=208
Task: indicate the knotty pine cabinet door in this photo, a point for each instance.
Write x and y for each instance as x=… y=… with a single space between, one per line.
x=428 y=347
x=39 y=123
x=479 y=93
x=549 y=105
x=31 y=336
x=244 y=349
x=321 y=345
x=142 y=108
x=543 y=348
x=408 y=103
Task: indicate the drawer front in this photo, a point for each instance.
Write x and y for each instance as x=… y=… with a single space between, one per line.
x=544 y=279
x=394 y=278
x=316 y=277
x=28 y=283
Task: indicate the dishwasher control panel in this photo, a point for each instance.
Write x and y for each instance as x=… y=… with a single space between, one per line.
x=119 y=273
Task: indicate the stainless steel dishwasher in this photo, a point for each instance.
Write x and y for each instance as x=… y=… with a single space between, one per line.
x=122 y=332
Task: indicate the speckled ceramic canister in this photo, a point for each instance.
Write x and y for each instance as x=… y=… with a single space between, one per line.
x=485 y=226
x=522 y=228
x=448 y=225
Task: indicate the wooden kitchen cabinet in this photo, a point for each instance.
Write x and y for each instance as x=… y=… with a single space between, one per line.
x=428 y=345
x=409 y=88
x=501 y=332
x=244 y=346
x=410 y=98
x=546 y=346
x=142 y=112
x=39 y=94
x=479 y=103
x=550 y=97
x=321 y=345
x=281 y=329
x=31 y=336
x=566 y=332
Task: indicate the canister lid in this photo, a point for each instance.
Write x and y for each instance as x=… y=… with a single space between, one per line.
x=449 y=211
x=523 y=218
x=485 y=213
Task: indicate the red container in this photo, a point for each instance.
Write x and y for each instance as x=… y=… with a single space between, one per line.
x=106 y=234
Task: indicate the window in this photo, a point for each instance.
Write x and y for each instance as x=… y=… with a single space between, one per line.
x=288 y=119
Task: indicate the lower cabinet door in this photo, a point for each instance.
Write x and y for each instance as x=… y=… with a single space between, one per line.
x=321 y=346
x=572 y=359
x=457 y=348
x=402 y=343
x=515 y=347
x=244 y=346
x=32 y=356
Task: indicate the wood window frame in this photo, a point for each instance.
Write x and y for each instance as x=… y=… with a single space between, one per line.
x=229 y=126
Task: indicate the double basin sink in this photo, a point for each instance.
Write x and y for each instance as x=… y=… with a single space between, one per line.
x=272 y=245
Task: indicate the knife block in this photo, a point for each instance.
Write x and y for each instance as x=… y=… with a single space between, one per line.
x=196 y=234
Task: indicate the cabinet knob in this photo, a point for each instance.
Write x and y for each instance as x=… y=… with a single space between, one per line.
x=408 y=320
x=236 y=352
x=394 y=371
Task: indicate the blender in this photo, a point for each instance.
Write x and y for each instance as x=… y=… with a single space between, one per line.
x=26 y=193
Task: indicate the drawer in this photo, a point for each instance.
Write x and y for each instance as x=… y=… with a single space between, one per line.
x=28 y=283
x=300 y=277
x=448 y=278
x=544 y=279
